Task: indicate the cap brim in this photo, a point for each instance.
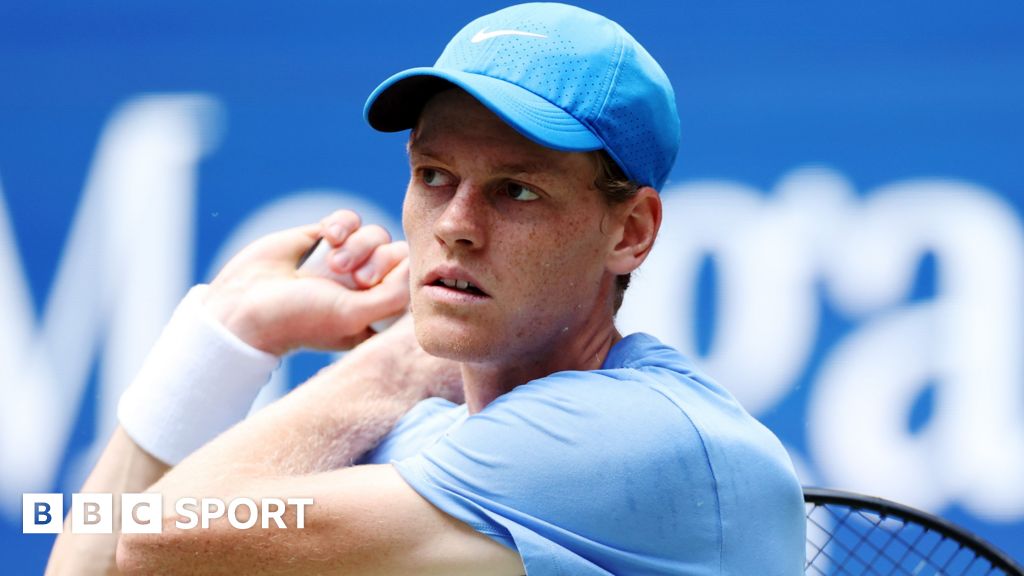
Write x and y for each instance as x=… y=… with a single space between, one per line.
x=396 y=105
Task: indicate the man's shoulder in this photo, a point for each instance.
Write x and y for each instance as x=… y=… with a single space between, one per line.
x=649 y=391
x=646 y=402
x=641 y=379
x=664 y=457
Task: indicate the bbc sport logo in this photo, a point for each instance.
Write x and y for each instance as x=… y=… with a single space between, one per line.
x=142 y=513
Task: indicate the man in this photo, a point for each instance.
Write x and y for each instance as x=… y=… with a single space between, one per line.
x=538 y=142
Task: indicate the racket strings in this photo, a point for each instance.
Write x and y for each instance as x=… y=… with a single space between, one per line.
x=844 y=540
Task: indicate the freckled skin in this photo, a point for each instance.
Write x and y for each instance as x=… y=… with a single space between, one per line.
x=542 y=262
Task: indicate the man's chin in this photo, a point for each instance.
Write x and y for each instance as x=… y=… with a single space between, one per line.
x=454 y=342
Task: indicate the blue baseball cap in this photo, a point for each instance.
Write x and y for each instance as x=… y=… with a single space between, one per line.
x=564 y=77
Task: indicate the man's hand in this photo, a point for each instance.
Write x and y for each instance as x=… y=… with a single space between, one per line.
x=261 y=298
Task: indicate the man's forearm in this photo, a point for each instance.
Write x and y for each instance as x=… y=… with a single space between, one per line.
x=123 y=467
x=327 y=423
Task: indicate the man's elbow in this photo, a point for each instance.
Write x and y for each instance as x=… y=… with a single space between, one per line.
x=170 y=552
x=130 y=554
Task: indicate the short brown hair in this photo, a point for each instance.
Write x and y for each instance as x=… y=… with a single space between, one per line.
x=616 y=188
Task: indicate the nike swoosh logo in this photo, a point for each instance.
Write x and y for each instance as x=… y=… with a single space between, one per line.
x=485 y=35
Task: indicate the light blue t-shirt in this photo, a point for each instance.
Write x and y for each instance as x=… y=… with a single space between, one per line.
x=645 y=466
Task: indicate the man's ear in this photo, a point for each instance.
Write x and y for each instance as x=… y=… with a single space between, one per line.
x=639 y=220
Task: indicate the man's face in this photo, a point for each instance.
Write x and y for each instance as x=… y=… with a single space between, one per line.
x=522 y=224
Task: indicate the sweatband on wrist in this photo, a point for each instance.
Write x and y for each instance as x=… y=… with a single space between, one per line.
x=197 y=381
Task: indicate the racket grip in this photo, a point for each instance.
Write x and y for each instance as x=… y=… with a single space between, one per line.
x=314 y=263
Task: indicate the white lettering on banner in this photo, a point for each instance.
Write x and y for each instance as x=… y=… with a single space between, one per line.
x=120 y=276
x=968 y=341
x=772 y=251
x=126 y=263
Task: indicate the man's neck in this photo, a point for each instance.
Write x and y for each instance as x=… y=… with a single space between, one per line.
x=484 y=381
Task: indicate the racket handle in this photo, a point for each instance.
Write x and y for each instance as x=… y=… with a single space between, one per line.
x=314 y=263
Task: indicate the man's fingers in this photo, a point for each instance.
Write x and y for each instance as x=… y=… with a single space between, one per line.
x=388 y=298
x=285 y=246
x=262 y=296
x=337 y=227
x=357 y=248
x=380 y=263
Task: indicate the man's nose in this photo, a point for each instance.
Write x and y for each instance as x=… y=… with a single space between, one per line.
x=464 y=220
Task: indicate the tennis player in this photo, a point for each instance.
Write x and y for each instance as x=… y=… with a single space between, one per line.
x=506 y=427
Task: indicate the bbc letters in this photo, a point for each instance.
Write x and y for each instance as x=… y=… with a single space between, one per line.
x=93 y=513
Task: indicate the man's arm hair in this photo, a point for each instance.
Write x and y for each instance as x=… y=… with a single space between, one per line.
x=123 y=467
x=364 y=520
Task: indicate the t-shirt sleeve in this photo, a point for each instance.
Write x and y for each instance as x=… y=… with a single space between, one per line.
x=581 y=473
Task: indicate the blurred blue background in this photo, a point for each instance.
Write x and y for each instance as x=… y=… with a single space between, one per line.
x=843 y=246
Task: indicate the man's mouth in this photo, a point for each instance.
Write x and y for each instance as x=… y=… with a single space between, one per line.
x=460 y=285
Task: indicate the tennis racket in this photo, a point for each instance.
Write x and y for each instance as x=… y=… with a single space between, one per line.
x=852 y=534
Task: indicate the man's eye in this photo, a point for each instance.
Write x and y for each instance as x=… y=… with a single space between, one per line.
x=435 y=178
x=519 y=192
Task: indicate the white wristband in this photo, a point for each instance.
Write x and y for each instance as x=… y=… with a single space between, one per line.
x=197 y=381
